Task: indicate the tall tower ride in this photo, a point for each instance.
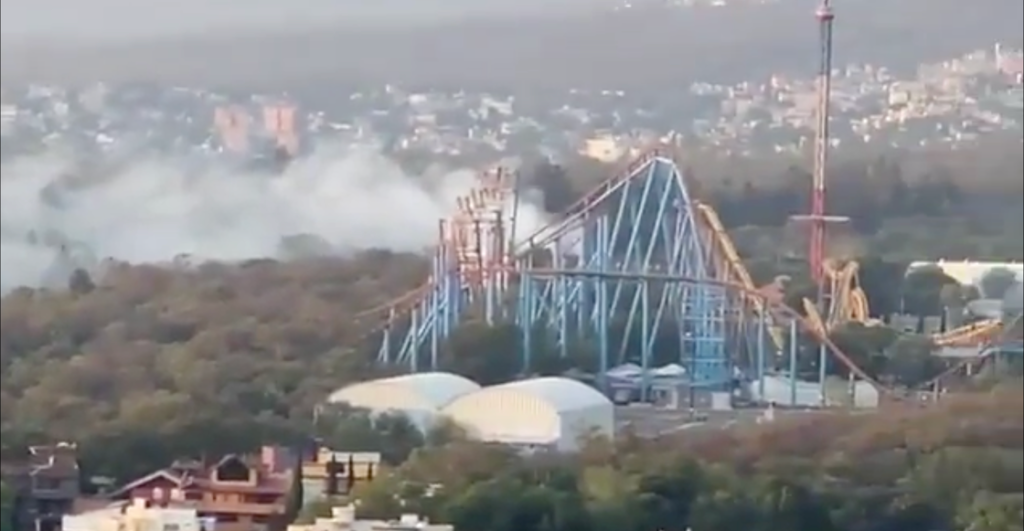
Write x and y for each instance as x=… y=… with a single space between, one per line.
x=817 y=220
x=816 y=252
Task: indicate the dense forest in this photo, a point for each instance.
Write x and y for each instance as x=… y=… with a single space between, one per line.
x=144 y=364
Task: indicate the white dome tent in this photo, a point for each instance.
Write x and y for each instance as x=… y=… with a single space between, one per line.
x=420 y=396
x=541 y=412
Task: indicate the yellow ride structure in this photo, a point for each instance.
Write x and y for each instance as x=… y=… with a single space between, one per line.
x=735 y=269
x=849 y=304
x=971 y=334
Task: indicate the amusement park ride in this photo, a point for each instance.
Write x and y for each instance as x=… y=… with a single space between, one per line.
x=839 y=296
x=639 y=253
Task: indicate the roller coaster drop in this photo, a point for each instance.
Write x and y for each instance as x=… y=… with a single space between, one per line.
x=637 y=266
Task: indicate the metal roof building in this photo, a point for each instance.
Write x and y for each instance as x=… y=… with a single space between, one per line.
x=543 y=412
x=420 y=396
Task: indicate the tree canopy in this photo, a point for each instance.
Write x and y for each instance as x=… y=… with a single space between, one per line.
x=910 y=469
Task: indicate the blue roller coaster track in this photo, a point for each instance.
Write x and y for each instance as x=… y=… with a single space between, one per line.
x=631 y=272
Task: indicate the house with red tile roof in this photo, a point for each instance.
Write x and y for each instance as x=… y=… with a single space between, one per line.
x=238 y=492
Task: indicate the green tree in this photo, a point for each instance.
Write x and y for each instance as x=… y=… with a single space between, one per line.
x=317 y=508
x=511 y=504
x=911 y=360
x=665 y=498
x=996 y=282
x=6 y=507
x=462 y=354
x=954 y=301
x=921 y=291
x=988 y=511
x=394 y=435
x=864 y=344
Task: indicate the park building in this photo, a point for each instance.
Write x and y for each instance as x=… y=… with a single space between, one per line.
x=419 y=396
x=548 y=412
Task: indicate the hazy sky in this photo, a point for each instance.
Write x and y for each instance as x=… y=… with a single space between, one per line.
x=158 y=18
x=275 y=45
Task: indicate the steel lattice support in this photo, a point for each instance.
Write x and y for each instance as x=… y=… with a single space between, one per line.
x=637 y=261
x=631 y=265
x=633 y=272
x=470 y=268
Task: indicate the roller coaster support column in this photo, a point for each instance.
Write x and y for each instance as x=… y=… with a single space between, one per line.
x=824 y=309
x=490 y=287
x=822 y=375
x=412 y=341
x=760 y=356
x=645 y=341
x=436 y=308
x=527 y=320
x=563 y=310
x=603 y=252
x=384 y=354
x=793 y=341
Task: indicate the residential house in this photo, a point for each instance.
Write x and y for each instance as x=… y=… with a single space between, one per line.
x=239 y=493
x=47 y=482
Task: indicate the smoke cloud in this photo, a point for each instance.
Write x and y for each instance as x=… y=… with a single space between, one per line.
x=154 y=211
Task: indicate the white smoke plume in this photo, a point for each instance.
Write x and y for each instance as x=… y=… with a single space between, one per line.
x=154 y=211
